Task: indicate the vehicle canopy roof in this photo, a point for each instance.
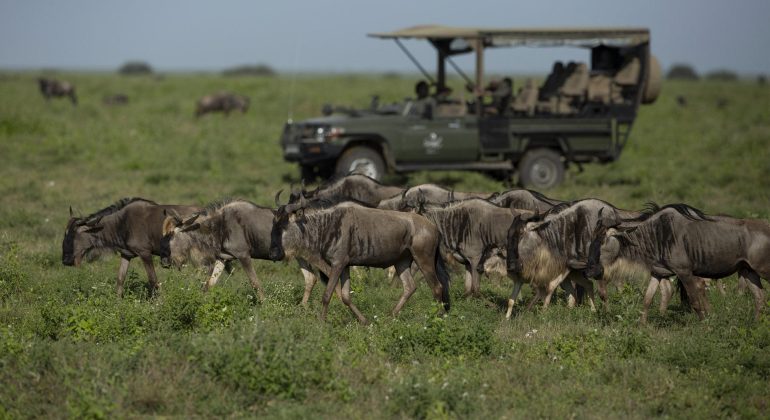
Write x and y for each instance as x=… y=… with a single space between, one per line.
x=511 y=37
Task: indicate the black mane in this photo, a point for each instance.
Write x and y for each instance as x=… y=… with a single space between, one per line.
x=687 y=211
x=118 y=205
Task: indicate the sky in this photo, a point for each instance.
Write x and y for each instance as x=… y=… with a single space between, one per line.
x=330 y=35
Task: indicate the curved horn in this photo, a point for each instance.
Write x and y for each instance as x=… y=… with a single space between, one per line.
x=277 y=197
x=72 y=214
x=191 y=219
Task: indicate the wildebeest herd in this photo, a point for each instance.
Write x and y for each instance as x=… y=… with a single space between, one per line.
x=356 y=221
x=225 y=102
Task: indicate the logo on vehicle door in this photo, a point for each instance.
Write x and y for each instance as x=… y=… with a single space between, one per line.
x=432 y=143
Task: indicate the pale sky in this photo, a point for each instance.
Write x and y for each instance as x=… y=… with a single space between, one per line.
x=330 y=35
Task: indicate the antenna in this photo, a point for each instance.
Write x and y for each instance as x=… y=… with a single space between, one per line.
x=293 y=81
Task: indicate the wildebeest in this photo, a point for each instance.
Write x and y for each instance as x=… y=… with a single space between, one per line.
x=52 y=88
x=131 y=227
x=357 y=187
x=116 y=99
x=336 y=237
x=468 y=229
x=544 y=253
x=223 y=231
x=524 y=199
x=222 y=102
x=681 y=240
x=429 y=194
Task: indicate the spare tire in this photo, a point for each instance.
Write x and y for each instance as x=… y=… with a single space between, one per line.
x=654 y=81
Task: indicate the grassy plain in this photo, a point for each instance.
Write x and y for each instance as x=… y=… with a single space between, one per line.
x=70 y=348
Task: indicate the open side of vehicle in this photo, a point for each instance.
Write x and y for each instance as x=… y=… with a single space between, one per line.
x=583 y=112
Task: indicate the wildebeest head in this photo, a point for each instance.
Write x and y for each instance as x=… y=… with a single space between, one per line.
x=285 y=214
x=80 y=239
x=176 y=245
x=602 y=241
x=513 y=263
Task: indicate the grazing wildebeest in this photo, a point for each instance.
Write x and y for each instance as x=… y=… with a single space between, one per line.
x=224 y=231
x=342 y=235
x=52 y=88
x=681 y=240
x=429 y=194
x=524 y=199
x=132 y=227
x=116 y=99
x=357 y=187
x=544 y=253
x=222 y=102
x=468 y=229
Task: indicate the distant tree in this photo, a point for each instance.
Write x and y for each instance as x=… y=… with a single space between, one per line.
x=722 y=75
x=682 y=72
x=762 y=80
x=250 y=70
x=135 y=68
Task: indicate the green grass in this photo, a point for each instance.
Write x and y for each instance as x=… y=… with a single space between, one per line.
x=70 y=347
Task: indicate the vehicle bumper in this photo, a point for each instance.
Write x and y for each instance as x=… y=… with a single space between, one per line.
x=310 y=152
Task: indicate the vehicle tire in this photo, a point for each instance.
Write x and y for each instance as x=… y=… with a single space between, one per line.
x=307 y=173
x=541 y=169
x=363 y=160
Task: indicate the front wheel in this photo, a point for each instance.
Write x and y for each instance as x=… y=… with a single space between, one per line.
x=361 y=160
x=541 y=169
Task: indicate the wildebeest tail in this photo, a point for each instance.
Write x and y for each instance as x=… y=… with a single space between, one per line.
x=443 y=277
x=683 y=296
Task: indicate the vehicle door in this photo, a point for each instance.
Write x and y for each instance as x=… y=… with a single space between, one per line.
x=439 y=139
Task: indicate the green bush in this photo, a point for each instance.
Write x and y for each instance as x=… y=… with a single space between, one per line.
x=682 y=72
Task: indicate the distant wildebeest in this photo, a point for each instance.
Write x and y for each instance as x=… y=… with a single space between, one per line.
x=544 y=253
x=681 y=240
x=336 y=237
x=116 y=99
x=357 y=187
x=524 y=199
x=132 y=227
x=221 y=232
x=222 y=102
x=429 y=193
x=468 y=228
x=681 y=100
x=52 y=88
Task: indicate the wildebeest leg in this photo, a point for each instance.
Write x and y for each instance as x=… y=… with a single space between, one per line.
x=754 y=284
x=742 y=285
x=578 y=279
x=248 y=267
x=216 y=271
x=694 y=292
x=652 y=287
x=514 y=294
x=310 y=280
x=472 y=268
x=334 y=276
x=152 y=278
x=468 y=279
x=392 y=275
x=122 y=274
x=345 y=295
x=666 y=292
x=538 y=295
x=551 y=287
x=405 y=274
x=426 y=262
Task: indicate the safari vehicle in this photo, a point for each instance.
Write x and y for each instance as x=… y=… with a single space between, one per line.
x=579 y=114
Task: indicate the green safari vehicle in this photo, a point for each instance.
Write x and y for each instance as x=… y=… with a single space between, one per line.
x=581 y=113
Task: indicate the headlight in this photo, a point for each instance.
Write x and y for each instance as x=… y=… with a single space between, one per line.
x=326 y=133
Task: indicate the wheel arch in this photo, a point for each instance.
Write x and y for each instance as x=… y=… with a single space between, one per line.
x=374 y=142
